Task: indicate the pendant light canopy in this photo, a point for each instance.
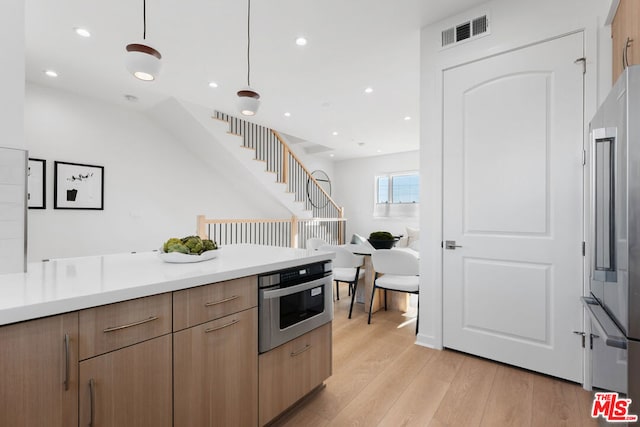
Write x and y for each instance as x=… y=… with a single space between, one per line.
x=249 y=99
x=142 y=60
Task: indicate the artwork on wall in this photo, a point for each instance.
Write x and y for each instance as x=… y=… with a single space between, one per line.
x=36 y=184
x=78 y=186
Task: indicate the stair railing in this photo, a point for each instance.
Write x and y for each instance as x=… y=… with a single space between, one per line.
x=271 y=148
x=293 y=232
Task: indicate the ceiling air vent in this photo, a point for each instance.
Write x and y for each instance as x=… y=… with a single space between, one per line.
x=463 y=31
x=448 y=37
x=480 y=25
x=473 y=28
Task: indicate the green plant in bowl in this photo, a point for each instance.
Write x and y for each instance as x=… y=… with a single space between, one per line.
x=382 y=240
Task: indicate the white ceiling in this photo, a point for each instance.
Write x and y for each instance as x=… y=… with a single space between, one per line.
x=353 y=44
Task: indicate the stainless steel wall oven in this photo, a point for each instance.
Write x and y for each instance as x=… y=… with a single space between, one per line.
x=293 y=302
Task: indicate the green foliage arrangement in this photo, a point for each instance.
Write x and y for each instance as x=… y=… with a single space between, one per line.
x=191 y=245
x=381 y=235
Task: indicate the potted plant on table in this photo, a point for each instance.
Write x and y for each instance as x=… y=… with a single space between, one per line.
x=382 y=240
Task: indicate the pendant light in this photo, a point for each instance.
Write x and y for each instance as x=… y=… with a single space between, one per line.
x=249 y=99
x=142 y=60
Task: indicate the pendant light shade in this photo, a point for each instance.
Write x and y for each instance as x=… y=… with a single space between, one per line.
x=143 y=61
x=248 y=102
x=248 y=99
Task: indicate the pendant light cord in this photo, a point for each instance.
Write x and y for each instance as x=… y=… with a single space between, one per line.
x=248 y=41
x=144 y=19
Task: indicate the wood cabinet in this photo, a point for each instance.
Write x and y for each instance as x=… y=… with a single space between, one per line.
x=216 y=372
x=290 y=371
x=126 y=364
x=625 y=32
x=128 y=387
x=187 y=358
x=39 y=372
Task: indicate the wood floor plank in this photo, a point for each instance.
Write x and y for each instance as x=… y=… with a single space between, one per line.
x=345 y=384
x=510 y=399
x=556 y=403
x=373 y=402
x=465 y=401
x=420 y=400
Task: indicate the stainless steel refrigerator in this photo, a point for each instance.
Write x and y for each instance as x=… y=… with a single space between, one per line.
x=614 y=241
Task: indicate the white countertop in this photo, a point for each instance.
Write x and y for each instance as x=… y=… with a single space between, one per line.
x=69 y=284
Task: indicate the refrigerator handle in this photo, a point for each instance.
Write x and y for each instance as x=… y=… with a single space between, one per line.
x=603 y=205
x=608 y=330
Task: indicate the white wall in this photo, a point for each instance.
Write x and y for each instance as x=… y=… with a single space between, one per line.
x=154 y=187
x=12 y=47
x=355 y=181
x=513 y=24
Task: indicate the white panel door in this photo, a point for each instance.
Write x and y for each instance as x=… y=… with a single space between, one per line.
x=513 y=141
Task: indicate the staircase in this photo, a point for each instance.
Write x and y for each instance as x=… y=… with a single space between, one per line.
x=261 y=151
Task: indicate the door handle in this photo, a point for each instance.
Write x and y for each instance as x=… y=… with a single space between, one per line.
x=451 y=244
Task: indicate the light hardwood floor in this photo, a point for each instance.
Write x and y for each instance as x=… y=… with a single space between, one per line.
x=380 y=378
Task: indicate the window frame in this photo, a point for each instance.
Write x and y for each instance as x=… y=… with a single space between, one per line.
x=390 y=176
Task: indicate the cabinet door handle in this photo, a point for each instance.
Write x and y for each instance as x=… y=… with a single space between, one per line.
x=66 y=362
x=139 y=322
x=295 y=353
x=217 y=328
x=222 y=301
x=92 y=400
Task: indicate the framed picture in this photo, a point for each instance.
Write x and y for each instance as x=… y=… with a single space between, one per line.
x=78 y=186
x=36 y=184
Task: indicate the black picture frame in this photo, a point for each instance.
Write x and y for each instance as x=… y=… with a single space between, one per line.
x=37 y=184
x=78 y=186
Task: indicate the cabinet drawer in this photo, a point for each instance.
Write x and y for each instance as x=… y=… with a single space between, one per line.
x=287 y=373
x=204 y=303
x=109 y=327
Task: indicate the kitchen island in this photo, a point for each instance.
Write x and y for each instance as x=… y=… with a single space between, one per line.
x=128 y=339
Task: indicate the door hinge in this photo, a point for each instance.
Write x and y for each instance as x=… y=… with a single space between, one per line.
x=583 y=335
x=584 y=248
x=584 y=64
x=442 y=243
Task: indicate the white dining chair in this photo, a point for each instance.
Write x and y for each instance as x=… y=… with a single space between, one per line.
x=314 y=243
x=395 y=271
x=347 y=268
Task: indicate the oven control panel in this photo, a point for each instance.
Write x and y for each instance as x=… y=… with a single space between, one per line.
x=295 y=275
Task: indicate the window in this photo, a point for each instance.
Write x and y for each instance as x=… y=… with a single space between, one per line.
x=398 y=188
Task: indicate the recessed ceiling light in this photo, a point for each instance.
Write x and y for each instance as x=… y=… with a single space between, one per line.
x=82 y=32
x=335 y=133
x=407 y=118
x=378 y=151
x=213 y=84
x=51 y=73
x=331 y=155
x=368 y=90
x=287 y=114
x=301 y=41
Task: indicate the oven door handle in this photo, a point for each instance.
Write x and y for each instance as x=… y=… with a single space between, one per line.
x=277 y=293
x=609 y=331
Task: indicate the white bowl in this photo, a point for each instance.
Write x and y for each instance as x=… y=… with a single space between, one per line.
x=179 y=258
